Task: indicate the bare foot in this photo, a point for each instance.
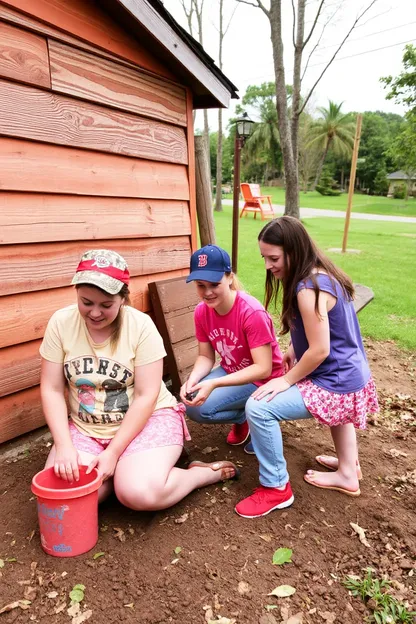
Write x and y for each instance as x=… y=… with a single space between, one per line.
x=221 y=470
x=333 y=481
x=332 y=463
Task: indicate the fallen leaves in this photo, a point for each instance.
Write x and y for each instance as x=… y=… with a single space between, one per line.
x=119 y=534
x=182 y=519
x=243 y=588
x=22 y=604
x=361 y=534
x=77 y=615
x=77 y=593
x=283 y=591
x=282 y=556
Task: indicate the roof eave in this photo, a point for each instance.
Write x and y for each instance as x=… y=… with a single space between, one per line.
x=210 y=87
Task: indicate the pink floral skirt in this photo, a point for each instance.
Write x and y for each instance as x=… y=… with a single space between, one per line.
x=165 y=427
x=332 y=409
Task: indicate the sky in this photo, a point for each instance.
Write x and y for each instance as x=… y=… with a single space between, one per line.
x=374 y=49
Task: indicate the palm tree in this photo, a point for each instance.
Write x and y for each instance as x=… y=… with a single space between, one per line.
x=334 y=130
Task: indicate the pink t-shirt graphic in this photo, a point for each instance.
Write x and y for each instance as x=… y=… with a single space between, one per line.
x=246 y=326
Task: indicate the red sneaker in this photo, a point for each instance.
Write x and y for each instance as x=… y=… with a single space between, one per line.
x=238 y=434
x=264 y=500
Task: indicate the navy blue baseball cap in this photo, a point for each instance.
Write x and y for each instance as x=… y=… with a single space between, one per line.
x=209 y=264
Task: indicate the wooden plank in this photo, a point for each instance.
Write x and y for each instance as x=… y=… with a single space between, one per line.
x=19 y=367
x=363 y=296
x=11 y=16
x=28 y=113
x=86 y=21
x=24 y=316
x=19 y=413
x=84 y=75
x=23 y=56
x=33 y=217
x=25 y=268
x=40 y=168
x=173 y=303
x=191 y=169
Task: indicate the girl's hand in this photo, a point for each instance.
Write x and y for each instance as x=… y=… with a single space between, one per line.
x=271 y=388
x=203 y=390
x=288 y=360
x=66 y=463
x=186 y=391
x=105 y=463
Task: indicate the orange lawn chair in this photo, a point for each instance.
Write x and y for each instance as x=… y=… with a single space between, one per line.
x=255 y=202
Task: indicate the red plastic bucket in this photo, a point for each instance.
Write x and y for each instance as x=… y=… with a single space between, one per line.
x=67 y=512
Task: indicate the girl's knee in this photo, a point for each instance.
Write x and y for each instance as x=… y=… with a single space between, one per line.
x=143 y=497
x=255 y=409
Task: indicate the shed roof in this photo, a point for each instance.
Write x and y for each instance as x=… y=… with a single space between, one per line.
x=400 y=175
x=168 y=41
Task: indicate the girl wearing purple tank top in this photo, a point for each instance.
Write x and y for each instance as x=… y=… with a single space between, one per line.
x=326 y=369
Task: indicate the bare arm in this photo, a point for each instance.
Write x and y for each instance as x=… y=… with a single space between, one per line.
x=52 y=390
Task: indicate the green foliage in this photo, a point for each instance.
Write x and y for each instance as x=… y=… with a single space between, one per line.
x=399 y=191
x=327 y=185
x=403 y=87
x=374 y=593
x=262 y=156
x=282 y=556
x=381 y=184
x=334 y=130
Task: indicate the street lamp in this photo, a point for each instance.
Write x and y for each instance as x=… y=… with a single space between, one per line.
x=243 y=126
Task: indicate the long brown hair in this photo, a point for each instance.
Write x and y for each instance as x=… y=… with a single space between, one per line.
x=301 y=257
x=118 y=321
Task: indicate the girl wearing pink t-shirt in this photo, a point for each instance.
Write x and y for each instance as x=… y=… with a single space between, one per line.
x=235 y=327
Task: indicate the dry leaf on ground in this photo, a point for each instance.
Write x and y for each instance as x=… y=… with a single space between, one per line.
x=361 y=534
x=182 y=519
x=243 y=588
x=119 y=534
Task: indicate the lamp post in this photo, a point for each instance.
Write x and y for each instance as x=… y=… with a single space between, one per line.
x=244 y=127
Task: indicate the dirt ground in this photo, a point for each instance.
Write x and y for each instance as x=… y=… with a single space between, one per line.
x=224 y=569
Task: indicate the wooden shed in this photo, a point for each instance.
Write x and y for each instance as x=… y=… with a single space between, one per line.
x=96 y=136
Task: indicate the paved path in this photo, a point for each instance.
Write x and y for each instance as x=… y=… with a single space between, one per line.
x=278 y=209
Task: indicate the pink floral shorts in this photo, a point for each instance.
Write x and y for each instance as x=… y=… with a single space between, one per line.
x=165 y=427
x=331 y=408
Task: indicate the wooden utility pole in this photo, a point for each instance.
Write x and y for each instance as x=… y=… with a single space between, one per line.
x=238 y=145
x=352 y=180
x=203 y=194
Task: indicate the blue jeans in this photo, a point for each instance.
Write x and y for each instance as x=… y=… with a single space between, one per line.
x=264 y=418
x=224 y=405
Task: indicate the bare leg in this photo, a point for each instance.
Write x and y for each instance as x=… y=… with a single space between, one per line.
x=331 y=462
x=149 y=480
x=85 y=458
x=345 y=477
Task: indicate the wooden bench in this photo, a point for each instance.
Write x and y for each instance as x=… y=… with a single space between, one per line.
x=173 y=304
x=255 y=202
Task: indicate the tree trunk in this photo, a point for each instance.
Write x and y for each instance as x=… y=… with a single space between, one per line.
x=218 y=185
x=289 y=163
x=203 y=194
x=218 y=182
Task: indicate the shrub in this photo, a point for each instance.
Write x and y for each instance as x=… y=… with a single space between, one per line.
x=399 y=191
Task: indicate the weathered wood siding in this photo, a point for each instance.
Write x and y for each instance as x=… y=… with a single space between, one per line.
x=96 y=150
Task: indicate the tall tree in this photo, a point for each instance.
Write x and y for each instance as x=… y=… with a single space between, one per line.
x=403 y=89
x=222 y=31
x=334 y=130
x=289 y=123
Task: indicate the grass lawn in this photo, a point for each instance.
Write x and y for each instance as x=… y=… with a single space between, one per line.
x=361 y=203
x=386 y=264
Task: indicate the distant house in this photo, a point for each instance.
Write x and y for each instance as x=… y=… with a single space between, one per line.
x=400 y=177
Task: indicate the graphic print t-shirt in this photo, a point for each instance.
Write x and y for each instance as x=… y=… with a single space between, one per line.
x=101 y=382
x=246 y=326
